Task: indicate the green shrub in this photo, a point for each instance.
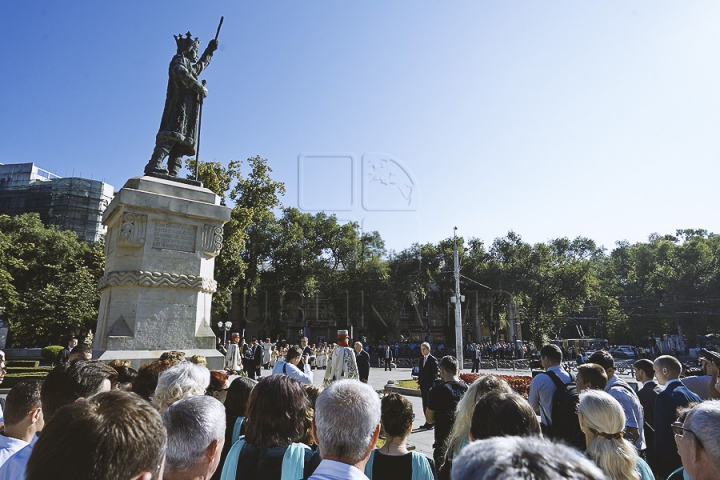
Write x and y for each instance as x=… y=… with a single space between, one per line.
x=27 y=370
x=22 y=363
x=11 y=379
x=51 y=352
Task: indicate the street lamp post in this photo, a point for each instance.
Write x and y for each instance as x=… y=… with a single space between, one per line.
x=225 y=327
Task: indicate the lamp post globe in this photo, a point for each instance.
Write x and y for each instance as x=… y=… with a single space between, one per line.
x=225 y=327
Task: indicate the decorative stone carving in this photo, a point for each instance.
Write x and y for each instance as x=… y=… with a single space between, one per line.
x=212 y=238
x=133 y=228
x=157 y=279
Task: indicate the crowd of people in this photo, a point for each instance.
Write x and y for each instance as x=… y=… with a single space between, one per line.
x=175 y=419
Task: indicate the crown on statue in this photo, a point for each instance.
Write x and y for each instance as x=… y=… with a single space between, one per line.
x=185 y=43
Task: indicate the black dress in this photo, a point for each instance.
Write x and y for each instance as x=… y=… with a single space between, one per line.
x=395 y=467
x=258 y=463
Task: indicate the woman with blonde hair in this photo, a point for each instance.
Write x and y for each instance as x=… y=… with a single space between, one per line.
x=602 y=420
x=458 y=438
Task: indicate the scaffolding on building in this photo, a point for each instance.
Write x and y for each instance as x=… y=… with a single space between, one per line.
x=72 y=203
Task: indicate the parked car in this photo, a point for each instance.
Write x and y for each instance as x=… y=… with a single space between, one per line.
x=619 y=353
x=629 y=349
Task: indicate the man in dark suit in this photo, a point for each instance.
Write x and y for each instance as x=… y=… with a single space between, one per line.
x=426 y=378
x=257 y=356
x=667 y=370
x=644 y=374
x=65 y=352
x=307 y=350
x=363 y=362
x=247 y=362
x=388 y=355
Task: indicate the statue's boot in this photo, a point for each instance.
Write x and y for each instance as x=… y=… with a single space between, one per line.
x=175 y=164
x=154 y=166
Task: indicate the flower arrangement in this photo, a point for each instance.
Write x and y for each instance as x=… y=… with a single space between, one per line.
x=519 y=384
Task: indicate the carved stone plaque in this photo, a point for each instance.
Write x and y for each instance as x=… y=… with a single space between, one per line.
x=174 y=236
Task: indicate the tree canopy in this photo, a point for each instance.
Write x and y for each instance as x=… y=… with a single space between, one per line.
x=275 y=259
x=48 y=281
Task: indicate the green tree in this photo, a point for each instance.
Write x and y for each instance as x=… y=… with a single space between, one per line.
x=247 y=236
x=51 y=280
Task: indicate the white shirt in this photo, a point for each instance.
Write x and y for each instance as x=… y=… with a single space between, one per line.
x=630 y=405
x=14 y=467
x=8 y=447
x=699 y=385
x=542 y=389
x=291 y=370
x=332 y=470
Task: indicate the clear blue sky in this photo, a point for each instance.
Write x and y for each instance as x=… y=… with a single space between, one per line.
x=549 y=118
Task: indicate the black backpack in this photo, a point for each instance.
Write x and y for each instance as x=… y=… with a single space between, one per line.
x=565 y=423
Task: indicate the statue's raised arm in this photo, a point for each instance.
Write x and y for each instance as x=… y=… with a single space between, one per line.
x=177 y=136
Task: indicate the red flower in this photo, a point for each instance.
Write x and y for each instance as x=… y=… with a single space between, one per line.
x=519 y=384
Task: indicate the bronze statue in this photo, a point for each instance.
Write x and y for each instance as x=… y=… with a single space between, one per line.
x=179 y=125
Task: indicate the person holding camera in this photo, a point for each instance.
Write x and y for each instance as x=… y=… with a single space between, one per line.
x=291 y=366
x=705 y=385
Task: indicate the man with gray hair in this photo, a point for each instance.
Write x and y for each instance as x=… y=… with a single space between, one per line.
x=362 y=358
x=196 y=435
x=698 y=441
x=346 y=428
x=529 y=458
x=426 y=378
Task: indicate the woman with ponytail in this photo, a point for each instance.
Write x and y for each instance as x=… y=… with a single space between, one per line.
x=602 y=420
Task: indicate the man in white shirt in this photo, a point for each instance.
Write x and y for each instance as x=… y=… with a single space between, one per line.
x=62 y=386
x=23 y=417
x=623 y=393
x=703 y=385
x=542 y=387
x=196 y=435
x=289 y=366
x=346 y=428
x=111 y=436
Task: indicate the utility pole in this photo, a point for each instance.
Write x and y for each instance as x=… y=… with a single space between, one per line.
x=459 y=351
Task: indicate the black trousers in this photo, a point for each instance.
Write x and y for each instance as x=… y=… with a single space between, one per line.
x=249 y=367
x=424 y=395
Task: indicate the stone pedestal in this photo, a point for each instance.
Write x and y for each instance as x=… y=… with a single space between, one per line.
x=162 y=240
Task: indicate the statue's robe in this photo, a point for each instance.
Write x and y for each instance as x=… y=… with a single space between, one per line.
x=182 y=102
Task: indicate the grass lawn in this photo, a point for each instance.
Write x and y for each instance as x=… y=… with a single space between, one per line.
x=412 y=384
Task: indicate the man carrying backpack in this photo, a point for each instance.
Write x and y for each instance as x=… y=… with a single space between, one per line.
x=544 y=386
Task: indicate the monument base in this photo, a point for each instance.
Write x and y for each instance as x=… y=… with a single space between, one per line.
x=138 y=358
x=160 y=248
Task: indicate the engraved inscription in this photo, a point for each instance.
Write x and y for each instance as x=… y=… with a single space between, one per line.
x=174 y=236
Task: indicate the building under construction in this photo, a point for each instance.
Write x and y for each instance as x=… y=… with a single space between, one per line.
x=73 y=203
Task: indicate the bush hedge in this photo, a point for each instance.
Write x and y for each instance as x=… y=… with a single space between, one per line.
x=28 y=370
x=22 y=363
x=51 y=352
x=11 y=379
